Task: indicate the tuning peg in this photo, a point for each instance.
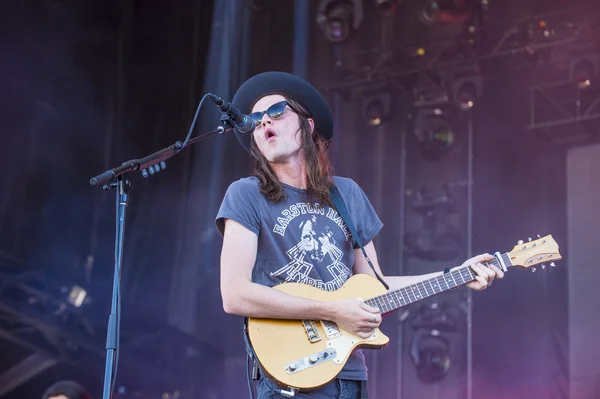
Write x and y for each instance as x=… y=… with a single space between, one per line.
x=519 y=242
x=529 y=239
x=533 y=269
x=539 y=236
x=543 y=266
x=552 y=264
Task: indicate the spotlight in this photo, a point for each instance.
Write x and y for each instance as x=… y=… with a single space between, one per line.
x=75 y=295
x=442 y=12
x=386 y=7
x=430 y=352
x=339 y=19
x=376 y=109
x=466 y=92
x=583 y=70
x=435 y=133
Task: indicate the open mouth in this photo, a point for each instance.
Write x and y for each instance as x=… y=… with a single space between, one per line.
x=269 y=134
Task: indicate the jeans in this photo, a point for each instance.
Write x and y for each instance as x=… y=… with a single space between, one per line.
x=336 y=389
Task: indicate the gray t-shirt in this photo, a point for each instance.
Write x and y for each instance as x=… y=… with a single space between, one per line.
x=301 y=241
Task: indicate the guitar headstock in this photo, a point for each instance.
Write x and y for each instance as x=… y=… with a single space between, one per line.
x=535 y=252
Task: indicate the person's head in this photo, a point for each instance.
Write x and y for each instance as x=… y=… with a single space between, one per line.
x=289 y=135
x=293 y=125
x=66 y=390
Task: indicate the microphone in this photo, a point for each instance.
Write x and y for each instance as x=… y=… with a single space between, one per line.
x=243 y=123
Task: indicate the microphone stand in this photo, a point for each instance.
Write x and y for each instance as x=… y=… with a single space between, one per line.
x=113 y=178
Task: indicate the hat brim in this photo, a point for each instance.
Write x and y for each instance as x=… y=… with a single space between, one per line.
x=283 y=83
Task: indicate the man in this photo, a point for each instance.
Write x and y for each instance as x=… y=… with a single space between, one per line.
x=279 y=225
x=66 y=390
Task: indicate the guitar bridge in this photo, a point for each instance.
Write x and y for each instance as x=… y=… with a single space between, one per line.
x=311 y=330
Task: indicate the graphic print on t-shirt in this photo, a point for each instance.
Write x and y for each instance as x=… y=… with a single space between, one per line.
x=317 y=247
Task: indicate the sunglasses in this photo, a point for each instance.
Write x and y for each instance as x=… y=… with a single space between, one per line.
x=275 y=111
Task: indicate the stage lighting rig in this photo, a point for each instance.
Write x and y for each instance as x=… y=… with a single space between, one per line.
x=386 y=7
x=339 y=19
x=584 y=70
x=434 y=131
x=430 y=347
x=376 y=109
x=446 y=12
x=466 y=91
x=430 y=352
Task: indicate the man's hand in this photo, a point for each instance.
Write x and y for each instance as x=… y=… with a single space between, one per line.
x=485 y=274
x=355 y=316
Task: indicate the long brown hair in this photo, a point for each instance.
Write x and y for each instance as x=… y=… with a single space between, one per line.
x=319 y=172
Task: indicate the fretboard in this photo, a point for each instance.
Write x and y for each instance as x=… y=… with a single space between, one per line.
x=396 y=299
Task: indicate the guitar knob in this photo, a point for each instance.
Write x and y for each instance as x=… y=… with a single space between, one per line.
x=293 y=366
x=313 y=359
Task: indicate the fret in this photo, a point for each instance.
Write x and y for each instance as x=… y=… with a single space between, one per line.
x=462 y=275
x=467 y=272
x=423 y=284
x=418 y=294
x=445 y=281
x=410 y=291
x=390 y=301
x=455 y=283
x=432 y=289
x=406 y=301
x=380 y=304
x=470 y=274
x=407 y=292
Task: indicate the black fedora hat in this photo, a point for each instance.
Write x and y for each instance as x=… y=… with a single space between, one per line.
x=283 y=83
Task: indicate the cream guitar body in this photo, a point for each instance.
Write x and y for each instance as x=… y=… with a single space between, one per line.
x=308 y=354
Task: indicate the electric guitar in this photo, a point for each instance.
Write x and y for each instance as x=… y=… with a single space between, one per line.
x=307 y=354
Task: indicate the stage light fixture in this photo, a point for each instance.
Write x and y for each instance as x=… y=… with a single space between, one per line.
x=75 y=295
x=339 y=19
x=430 y=352
x=376 y=109
x=584 y=70
x=444 y=12
x=466 y=91
x=430 y=348
x=465 y=96
x=435 y=133
x=386 y=7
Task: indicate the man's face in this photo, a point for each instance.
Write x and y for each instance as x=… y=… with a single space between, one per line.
x=59 y=397
x=277 y=139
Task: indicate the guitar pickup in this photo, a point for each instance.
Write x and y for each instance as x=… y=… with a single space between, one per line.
x=311 y=330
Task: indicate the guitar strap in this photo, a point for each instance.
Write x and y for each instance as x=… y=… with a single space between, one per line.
x=340 y=205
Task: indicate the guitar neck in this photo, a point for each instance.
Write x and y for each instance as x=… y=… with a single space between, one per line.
x=396 y=299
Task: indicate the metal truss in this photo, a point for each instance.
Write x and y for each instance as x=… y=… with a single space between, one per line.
x=56 y=332
x=517 y=45
x=564 y=113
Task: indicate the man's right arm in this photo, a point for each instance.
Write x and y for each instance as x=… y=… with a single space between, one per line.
x=244 y=298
